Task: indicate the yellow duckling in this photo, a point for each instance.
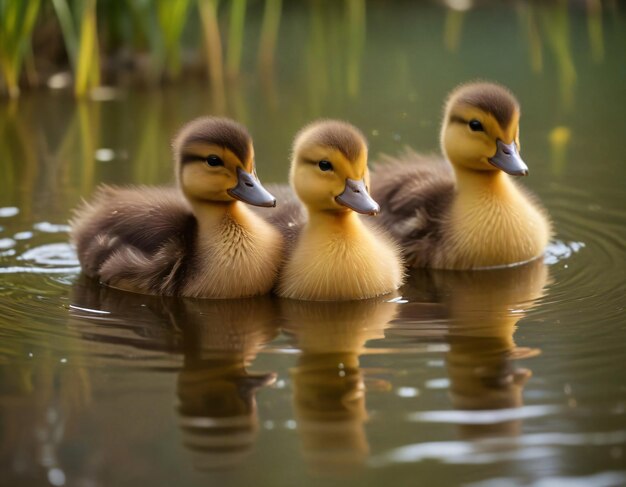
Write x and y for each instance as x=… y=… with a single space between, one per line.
x=468 y=213
x=197 y=241
x=334 y=255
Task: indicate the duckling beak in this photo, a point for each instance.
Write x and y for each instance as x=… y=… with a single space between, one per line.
x=356 y=197
x=508 y=159
x=249 y=190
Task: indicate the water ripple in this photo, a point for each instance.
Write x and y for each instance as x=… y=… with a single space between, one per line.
x=484 y=416
x=486 y=451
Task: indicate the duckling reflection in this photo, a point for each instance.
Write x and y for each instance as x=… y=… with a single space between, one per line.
x=216 y=393
x=484 y=308
x=219 y=339
x=329 y=390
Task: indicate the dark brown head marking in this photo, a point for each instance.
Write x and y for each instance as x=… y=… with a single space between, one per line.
x=342 y=136
x=215 y=130
x=489 y=97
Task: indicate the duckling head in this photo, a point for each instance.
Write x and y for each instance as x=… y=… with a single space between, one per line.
x=215 y=163
x=329 y=168
x=480 y=129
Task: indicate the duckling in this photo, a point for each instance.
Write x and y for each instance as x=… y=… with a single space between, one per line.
x=332 y=255
x=466 y=213
x=197 y=240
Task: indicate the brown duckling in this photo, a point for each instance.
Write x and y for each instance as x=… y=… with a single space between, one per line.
x=198 y=240
x=465 y=211
x=332 y=255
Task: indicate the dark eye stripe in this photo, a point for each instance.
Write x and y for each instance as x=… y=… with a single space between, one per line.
x=457 y=119
x=192 y=158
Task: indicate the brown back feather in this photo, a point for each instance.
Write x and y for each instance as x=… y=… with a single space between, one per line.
x=122 y=227
x=414 y=192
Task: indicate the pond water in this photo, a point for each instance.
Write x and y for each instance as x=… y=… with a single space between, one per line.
x=503 y=377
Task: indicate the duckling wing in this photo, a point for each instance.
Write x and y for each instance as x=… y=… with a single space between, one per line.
x=415 y=193
x=138 y=235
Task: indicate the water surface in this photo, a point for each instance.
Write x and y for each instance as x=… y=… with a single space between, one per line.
x=466 y=378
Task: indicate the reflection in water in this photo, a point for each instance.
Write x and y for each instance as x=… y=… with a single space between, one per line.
x=216 y=393
x=218 y=338
x=483 y=310
x=329 y=393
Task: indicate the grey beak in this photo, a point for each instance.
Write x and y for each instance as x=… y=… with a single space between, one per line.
x=249 y=190
x=508 y=159
x=356 y=197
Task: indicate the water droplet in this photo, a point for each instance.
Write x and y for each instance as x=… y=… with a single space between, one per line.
x=442 y=383
x=23 y=235
x=56 y=476
x=61 y=254
x=6 y=243
x=407 y=392
x=8 y=211
x=105 y=155
x=48 y=227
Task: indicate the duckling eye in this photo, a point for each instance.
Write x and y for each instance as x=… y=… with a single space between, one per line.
x=214 y=161
x=325 y=166
x=476 y=126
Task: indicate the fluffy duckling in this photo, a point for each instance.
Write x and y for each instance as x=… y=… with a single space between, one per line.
x=468 y=213
x=334 y=256
x=198 y=240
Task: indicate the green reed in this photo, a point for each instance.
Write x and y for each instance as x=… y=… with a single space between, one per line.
x=68 y=30
x=235 y=37
x=172 y=17
x=355 y=20
x=88 y=61
x=529 y=23
x=212 y=48
x=17 y=20
x=556 y=28
x=154 y=31
x=269 y=33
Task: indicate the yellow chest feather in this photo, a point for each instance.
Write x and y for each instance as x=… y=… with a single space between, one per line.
x=332 y=264
x=492 y=228
x=239 y=259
